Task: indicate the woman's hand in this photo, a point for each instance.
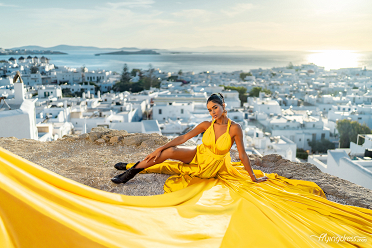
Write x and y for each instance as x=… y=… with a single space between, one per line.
x=261 y=179
x=153 y=156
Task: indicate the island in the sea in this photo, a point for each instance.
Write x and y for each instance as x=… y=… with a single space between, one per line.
x=140 y=52
x=27 y=52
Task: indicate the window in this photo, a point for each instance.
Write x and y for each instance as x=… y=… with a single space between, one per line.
x=313 y=125
x=181 y=111
x=299 y=139
x=308 y=140
x=323 y=135
x=159 y=111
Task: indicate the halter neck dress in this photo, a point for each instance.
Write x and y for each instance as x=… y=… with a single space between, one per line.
x=209 y=202
x=212 y=160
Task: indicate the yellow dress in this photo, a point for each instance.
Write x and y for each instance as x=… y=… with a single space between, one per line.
x=211 y=202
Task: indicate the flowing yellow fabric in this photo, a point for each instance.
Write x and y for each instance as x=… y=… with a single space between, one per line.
x=211 y=202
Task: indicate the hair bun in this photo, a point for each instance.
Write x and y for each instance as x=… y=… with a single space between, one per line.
x=221 y=96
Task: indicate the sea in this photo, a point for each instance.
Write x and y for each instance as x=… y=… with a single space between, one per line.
x=211 y=61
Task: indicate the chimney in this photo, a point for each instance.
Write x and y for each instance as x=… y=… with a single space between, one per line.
x=19 y=93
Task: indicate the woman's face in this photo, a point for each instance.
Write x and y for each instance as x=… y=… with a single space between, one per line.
x=215 y=110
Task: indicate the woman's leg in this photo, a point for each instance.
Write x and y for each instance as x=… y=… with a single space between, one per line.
x=183 y=154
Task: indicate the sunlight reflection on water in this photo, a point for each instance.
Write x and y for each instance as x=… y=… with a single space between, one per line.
x=335 y=59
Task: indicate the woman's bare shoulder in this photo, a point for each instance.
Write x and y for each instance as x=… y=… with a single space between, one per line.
x=235 y=127
x=205 y=124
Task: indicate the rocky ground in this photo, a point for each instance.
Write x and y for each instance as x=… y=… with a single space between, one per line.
x=89 y=159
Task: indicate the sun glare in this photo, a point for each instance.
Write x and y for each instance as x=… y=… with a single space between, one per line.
x=335 y=59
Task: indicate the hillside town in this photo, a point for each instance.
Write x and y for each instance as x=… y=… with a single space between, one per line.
x=295 y=108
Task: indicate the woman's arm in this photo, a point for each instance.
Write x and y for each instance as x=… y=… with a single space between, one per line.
x=243 y=155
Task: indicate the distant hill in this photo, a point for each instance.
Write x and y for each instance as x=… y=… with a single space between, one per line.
x=146 y=52
x=174 y=50
x=72 y=48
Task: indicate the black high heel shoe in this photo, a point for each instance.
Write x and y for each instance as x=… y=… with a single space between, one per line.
x=121 y=166
x=127 y=175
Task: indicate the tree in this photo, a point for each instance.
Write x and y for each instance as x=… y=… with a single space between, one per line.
x=321 y=146
x=125 y=76
x=243 y=75
x=151 y=70
x=242 y=92
x=34 y=69
x=147 y=82
x=134 y=72
x=255 y=91
x=83 y=70
x=349 y=131
x=290 y=65
x=301 y=153
x=180 y=72
x=124 y=83
x=67 y=93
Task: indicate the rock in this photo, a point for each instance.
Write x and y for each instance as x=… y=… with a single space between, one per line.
x=329 y=189
x=93 y=136
x=100 y=129
x=100 y=141
x=270 y=160
x=84 y=136
x=115 y=139
x=106 y=137
x=134 y=140
x=70 y=137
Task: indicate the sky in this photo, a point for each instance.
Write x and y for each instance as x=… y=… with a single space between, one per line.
x=168 y=24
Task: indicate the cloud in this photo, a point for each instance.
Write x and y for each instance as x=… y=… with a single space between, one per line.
x=7 y=5
x=238 y=9
x=132 y=4
x=199 y=14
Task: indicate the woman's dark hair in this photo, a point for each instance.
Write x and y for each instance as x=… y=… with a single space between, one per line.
x=216 y=98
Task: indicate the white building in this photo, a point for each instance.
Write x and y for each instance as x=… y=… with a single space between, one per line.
x=80 y=88
x=49 y=90
x=265 y=105
x=20 y=121
x=264 y=144
x=338 y=163
x=360 y=113
x=172 y=110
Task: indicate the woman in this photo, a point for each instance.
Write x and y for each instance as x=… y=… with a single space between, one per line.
x=211 y=157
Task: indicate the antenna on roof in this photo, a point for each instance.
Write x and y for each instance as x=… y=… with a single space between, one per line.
x=3 y=98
